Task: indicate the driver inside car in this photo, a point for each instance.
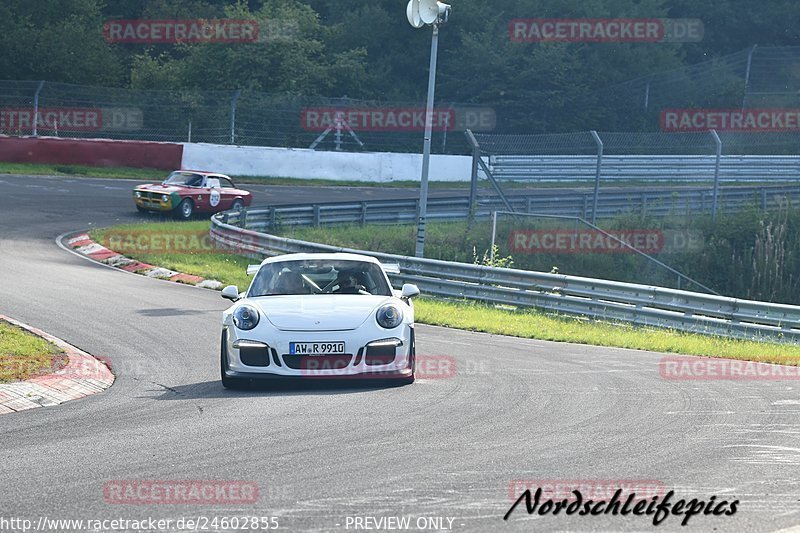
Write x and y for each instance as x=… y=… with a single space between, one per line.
x=290 y=283
x=349 y=283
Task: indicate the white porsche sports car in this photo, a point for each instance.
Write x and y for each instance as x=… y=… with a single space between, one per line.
x=318 y=316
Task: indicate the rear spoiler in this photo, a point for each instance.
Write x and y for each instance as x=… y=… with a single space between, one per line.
x=252 y=269
x=391 y=268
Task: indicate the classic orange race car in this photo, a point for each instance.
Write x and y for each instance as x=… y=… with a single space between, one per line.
x=186 y=192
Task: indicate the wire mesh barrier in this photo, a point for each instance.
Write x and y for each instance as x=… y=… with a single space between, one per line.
x=230 y=117
x=631 y=249
x=753 y=79
x=596 y=298
x=642 y=203
x=633 y=157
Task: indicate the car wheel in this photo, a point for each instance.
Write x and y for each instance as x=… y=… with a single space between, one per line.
x=237 y=205
x=227 y=382
x=185 y=209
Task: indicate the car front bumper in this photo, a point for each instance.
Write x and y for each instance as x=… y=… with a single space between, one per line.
x=154 y=203
x=271 y=359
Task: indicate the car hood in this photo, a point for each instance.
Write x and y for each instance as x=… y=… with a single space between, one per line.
x=164 y=189
x=319 y=312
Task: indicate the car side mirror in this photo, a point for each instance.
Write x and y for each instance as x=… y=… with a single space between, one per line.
x=231 y=292
x=409 y=291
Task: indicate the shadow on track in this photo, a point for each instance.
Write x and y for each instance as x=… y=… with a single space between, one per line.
x=306 y=387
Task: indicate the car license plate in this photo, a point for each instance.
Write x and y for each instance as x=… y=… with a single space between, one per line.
x=316 y=348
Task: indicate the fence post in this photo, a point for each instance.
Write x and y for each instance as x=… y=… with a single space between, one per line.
x=36 y=109
x=190 y=132
x=473 y=185
x=715 y=195
x=234 y=98
x=599 y=143
x=747 y=75
x=494 y=233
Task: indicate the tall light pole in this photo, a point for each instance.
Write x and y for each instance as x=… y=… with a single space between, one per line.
x=419 y=14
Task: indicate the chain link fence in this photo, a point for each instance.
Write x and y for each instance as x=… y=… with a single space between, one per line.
x=756 y=78
x=230 y=117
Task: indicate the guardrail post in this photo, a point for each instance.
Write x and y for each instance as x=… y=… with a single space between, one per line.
x=715 y=196
x=363 y=213
x=597 y=172
x=316 y=215
x=644 y=205
x=763 y=199
x=530 y=205
x=586 y=207
x=273 y=222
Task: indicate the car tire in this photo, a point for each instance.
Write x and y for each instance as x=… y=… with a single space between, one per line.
x=410 y=379
x=237 y=205
x=227 y=382
x=185 y=210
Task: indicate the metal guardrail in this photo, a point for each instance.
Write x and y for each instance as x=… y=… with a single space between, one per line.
x=655 y=203
x=674 y=168
x=600 y=299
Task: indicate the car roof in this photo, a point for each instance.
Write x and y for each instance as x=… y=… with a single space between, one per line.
x=321 y=256
x=203 y=172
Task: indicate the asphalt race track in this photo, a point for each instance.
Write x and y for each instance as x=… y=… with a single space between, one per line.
x=450 y=447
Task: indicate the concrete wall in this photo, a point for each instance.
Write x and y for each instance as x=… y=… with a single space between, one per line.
x=309 y=164
x=92 y=152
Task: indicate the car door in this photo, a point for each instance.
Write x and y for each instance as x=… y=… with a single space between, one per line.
x=229 y=191
x=216 y=202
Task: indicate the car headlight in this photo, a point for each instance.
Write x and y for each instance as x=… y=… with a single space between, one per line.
x=245 y=317
x=138 y=194
x=389 y=316
x=164 y=198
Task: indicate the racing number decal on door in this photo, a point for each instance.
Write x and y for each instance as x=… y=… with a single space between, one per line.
x=215 y=197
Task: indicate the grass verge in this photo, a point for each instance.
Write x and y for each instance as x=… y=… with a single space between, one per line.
x=24 y=355
x=229 y=269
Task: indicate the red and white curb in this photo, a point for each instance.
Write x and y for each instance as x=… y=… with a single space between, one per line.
x=84 y=245
x=82 y=376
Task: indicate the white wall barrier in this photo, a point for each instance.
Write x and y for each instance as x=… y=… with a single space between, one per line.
x=311 y=164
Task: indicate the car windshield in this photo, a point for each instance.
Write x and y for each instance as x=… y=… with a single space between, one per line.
x=186 y=179
x=319 y=277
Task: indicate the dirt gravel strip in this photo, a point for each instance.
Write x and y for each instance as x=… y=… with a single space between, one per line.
x=83 y=376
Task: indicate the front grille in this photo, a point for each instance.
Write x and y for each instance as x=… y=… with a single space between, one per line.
x=379 y=355
x=152 y=197
x=313 y=363
x=255 y=356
